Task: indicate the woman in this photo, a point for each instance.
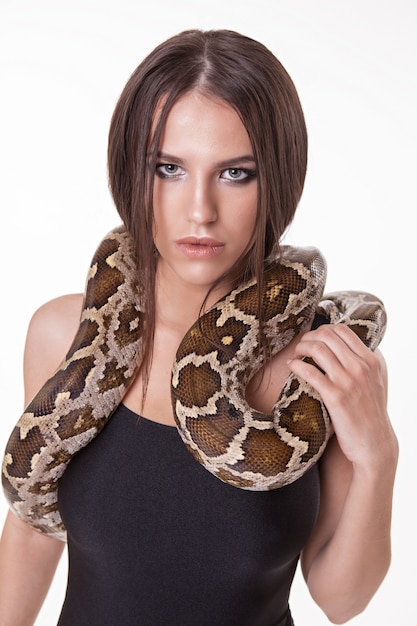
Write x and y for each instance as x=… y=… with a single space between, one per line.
x=207 y=159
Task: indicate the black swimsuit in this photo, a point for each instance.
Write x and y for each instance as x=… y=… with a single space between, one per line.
x=154 y=539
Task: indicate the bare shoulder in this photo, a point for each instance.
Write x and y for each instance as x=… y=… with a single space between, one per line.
x=57 y=316
x=50 y=333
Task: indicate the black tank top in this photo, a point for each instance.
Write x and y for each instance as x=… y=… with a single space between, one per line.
x=154 y=539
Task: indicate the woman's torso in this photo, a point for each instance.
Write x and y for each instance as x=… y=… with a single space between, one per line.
x=155 y=539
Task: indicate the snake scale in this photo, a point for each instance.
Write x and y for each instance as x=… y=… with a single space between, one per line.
x=214 y=362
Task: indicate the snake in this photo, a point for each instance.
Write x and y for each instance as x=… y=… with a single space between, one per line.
x=214 y=363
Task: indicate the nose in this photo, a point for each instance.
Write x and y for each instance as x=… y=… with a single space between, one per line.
x=202 y=202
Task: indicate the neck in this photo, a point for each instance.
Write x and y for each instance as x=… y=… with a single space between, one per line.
x=179 y=304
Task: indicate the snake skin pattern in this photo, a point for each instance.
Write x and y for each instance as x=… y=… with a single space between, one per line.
x=214 y=362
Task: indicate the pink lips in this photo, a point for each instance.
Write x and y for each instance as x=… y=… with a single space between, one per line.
x=199 y=247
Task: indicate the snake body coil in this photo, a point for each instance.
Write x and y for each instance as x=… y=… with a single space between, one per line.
x=215 y=361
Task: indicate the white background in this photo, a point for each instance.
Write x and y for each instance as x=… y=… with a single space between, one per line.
x=62 y=67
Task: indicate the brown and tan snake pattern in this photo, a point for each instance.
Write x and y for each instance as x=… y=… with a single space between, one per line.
x=214 y=362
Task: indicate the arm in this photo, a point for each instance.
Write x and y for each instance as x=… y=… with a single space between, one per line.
x=28 y=559
x=349 y=552
x=27 y=564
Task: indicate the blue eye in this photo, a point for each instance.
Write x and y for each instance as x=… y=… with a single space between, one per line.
x=168 y=170
x=238 y=174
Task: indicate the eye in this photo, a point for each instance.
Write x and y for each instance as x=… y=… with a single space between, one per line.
x=238 y=174
x=168 y=170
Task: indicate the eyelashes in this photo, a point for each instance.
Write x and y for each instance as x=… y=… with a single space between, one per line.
x=240 y=175
x=168 y=170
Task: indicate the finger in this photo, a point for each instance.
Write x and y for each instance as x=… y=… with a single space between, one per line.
x=332 y=346
x=351 y=338
x=313 y=375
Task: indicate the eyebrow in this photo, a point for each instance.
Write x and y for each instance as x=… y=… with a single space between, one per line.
x=245 y=158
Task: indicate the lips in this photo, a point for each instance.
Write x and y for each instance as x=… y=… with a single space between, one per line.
x=199 y=247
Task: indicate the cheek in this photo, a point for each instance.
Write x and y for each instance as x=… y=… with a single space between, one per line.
x=246 y=221
x=160 y=227
x=166 y=208
x=163 y=207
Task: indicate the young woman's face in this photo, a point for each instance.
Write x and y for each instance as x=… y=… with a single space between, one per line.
x=205 y=191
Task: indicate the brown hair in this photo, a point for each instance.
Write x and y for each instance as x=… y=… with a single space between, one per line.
x=246 y=75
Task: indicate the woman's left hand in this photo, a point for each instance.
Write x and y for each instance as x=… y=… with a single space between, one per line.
x=352 y=382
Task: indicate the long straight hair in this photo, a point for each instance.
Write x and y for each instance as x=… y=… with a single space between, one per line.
x=246 y=75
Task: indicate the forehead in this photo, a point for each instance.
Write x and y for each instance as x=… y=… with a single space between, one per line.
x=204 y=122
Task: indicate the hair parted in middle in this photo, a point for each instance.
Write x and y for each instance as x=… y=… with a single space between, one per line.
x=242 y=72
